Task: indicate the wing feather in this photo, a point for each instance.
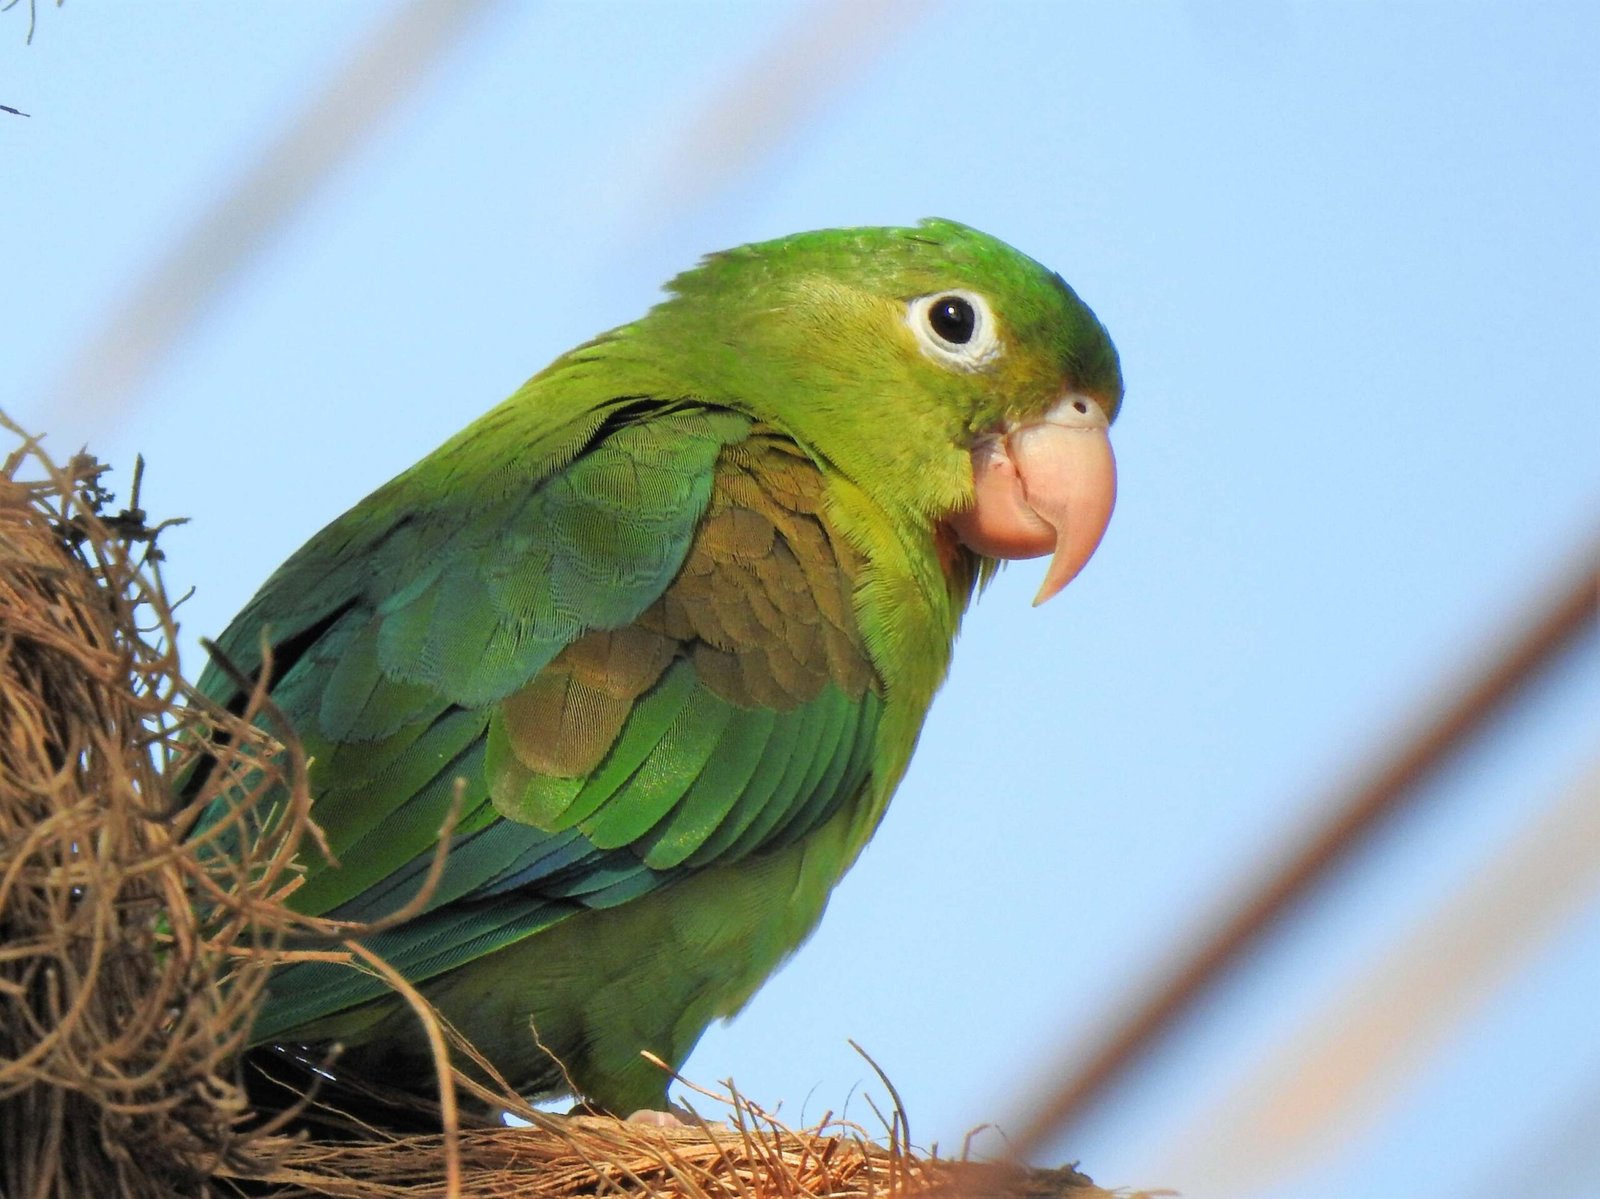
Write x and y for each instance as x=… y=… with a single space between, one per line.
x=639 y=664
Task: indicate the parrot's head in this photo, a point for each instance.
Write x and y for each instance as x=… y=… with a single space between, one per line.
x=959 y=381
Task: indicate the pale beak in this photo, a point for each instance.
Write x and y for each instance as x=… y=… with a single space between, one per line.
x=1047 y=486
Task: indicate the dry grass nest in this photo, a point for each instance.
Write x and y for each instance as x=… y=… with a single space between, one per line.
x=131 y=961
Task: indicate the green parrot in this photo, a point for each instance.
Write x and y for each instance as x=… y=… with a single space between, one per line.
x=670 y=618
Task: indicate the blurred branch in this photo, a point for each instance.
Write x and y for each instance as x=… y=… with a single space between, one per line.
x=1336 y=1073
x=1553 y=627
x=812 y=59
x=117 y=361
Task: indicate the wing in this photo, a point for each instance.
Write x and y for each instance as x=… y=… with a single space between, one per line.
x=638 y=665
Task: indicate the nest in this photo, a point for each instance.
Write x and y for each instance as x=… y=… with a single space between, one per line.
x=132 y=959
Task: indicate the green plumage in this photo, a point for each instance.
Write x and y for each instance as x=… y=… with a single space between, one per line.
x=672 y=615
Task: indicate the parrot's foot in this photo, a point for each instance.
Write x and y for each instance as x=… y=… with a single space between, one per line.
x=647 y=1117
x=654 y=1119
x=677 y=1119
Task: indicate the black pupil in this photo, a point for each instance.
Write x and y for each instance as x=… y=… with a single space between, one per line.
x=952 y=318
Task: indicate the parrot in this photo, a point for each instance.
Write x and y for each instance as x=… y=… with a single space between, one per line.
x=662 y=629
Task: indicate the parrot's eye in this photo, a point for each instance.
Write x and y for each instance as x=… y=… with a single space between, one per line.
x=956 y=328
x=953 y=319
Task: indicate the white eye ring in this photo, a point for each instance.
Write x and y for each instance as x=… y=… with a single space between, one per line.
x=939 y=319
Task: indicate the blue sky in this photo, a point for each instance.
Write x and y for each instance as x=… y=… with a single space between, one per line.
x=1348 y=254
